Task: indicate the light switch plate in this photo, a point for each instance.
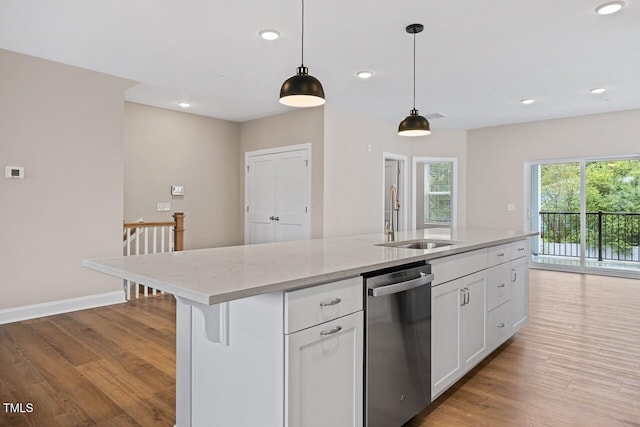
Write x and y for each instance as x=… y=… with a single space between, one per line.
x=163 y=207
x=14 y=172
x=511 y=206
x=177 y=190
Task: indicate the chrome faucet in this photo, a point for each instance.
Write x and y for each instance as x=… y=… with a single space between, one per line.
x=394 y=206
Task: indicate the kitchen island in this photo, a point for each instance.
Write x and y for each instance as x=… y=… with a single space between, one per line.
x=251 y=335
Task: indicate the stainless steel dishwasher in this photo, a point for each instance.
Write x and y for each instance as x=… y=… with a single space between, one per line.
x=398 y=344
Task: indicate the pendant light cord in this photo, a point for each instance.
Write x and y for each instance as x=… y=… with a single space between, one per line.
x=302 y=55
x=414 y=70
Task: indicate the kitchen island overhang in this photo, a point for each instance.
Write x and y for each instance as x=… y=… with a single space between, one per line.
x=214 y=275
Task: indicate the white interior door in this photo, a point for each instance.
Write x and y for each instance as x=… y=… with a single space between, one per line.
x=292 y=194
x=261 y=200
x=278 y=194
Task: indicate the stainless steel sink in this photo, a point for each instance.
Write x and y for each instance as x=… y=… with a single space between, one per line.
x=420 y=244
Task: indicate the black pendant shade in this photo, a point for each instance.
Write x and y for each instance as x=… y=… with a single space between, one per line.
x=414 y=124
x=302 y=90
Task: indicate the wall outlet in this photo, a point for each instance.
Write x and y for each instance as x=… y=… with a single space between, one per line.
x=163 y=207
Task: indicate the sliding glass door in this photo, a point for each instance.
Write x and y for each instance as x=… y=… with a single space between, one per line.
x=588 y=214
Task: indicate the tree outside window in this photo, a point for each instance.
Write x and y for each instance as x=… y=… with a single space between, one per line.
x=438 y=178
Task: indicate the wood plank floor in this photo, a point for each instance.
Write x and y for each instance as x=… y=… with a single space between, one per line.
x=109 y=366
x=577 y=363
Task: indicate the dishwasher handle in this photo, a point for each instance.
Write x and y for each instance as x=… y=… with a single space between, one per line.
x=394 y=288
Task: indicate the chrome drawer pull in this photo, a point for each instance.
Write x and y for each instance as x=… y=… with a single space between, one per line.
x=501 y=254
x=520 y=249
x=501 y=285
x=332 y=302
x=501 y=325
x=331 y=331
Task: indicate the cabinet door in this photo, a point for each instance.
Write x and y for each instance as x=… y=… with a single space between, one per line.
x=324 y=374
x=519 y=294
x=474 y=319
x=446 y=300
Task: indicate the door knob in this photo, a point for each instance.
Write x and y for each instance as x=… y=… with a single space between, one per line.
x=277 y=218
x=272 y=217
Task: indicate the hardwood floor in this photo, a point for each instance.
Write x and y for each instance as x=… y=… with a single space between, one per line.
x=109 y=366
x=577 y=363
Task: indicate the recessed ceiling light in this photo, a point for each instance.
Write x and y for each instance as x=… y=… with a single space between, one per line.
x=598 y=90
x=609 y=7
x=184 y=104
x=269 y=34
x=364 y=74
x=527 y=101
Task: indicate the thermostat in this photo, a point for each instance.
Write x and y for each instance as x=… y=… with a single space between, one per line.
x=177 y=190
x=14 y=172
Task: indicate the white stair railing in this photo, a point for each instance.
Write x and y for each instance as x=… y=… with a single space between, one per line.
x=143 y=238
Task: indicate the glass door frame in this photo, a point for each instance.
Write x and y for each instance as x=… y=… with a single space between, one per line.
x=581 y=161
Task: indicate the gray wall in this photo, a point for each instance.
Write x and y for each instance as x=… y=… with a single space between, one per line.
x=497 y=155
x=299 y=126
x=165 y=148
x=353 y=176
x=64 y=126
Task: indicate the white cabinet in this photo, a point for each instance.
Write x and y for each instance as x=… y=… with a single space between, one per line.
x=479 y=300
x=324 y=355
x=324 y=374
x=446 y=335
x=312 y=306
x=474 y=319
x=519 y=293
x=458 y=329
x=292 y=359
x=499 y=325
x=508 y=296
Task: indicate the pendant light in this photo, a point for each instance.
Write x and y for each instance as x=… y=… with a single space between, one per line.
x=302 y=90
x=414 y=124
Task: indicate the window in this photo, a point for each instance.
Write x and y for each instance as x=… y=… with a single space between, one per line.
x=434 y=192
x=438 y=178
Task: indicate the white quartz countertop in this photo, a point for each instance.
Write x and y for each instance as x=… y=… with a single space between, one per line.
x=211 y=276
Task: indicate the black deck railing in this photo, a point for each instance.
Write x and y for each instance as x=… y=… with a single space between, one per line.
x=609 y=235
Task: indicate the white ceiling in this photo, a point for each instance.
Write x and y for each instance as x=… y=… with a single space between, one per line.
x=475 y=59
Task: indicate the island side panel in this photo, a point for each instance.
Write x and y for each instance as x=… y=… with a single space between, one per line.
x=183 y=363
x=240 y=382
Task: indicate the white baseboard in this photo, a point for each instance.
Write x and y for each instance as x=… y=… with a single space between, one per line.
x=16 y=314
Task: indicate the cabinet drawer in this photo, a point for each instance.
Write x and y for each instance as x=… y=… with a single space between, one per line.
x=499 y=254
x=318 y=304
x=455 y=266
x=519 y=249
x=499 y=325
x=499 y=285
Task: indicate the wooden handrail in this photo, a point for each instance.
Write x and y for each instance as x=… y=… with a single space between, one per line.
x=149 y=224
x=177 y=224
